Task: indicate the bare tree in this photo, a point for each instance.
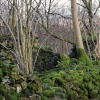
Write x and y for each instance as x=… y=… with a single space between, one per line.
x=22 y=36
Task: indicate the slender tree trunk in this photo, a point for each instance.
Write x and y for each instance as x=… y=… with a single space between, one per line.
x=81 y=54
x=14 y=15
x=79 y=42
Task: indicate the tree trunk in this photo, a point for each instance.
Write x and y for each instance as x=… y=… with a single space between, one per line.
x=14 y=15
x=81 y=54
x=79 y=42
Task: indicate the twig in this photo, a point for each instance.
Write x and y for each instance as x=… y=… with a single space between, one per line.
x=39 y=49
x=8 y=49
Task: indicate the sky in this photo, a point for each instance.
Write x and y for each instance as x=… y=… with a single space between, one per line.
x=63 y=2
x=67 y=3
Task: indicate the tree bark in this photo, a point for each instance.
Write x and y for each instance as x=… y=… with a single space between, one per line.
x=79 y=42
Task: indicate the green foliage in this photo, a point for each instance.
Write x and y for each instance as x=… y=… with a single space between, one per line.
x=45 y=98
x=73 y=61
x=62 y=73
x=93 y=93
x=46 y=59
x=11 y=97
x=90 y=86
x=1 y=97
x=1 y=74
x=32 y=86
x=58 y=81
x=74 y=80
x=82 y=57
x=65 y=60
x=3 y=89
x=48 y=81
x=55 y=74
x=96 y=63
x=89 y=38
x=86 y=77
x=49 y=93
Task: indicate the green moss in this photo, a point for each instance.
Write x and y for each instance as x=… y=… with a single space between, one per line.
x=3 y=89
x=93 y=93
x=48 y=81
x=56 y=89
x=45 y=98
x=85 y=91
x=98 y=97
x=96 y=62
x=11 y=97
x=6 y=71
x=64 y=96
x=90 y=86
x=95 y=76
x=86 y=78
x=26 y=92
x=65 y=60
x=73 y=60
x=62 y=73
x=44 y=60
x=82 y=57
x=1 y=74
x=32 y=86
x=97 y=84
x=65 y=57
x=40 y=90
x=81 y=92
x=72 y=95
x=49 y=93
x=1 y=97
x=2 y=86
x=58 y=81
x=89 y=38
x=12 y=81
x=55 y=74
x=85 y=98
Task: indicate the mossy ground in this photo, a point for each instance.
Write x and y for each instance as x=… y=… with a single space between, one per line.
x=68 y=84
x=71 y=79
